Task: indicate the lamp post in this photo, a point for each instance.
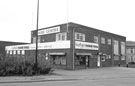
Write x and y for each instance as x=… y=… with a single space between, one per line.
x=36 y=54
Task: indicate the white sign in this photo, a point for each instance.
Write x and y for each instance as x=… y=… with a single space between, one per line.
x=49 y=30
x=86 y=45
x=48 y=45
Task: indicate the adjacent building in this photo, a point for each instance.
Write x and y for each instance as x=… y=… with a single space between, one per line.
x=73 y=46
x=130 y=51
x=3 y=44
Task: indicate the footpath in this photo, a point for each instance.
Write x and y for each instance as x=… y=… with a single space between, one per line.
x=66 y=75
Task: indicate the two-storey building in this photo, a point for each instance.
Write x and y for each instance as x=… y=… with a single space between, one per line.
x=73 y=46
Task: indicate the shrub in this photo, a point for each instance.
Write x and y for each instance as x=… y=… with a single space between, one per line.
x=10 y=66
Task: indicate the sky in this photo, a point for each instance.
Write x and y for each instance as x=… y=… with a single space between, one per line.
x=18 y=17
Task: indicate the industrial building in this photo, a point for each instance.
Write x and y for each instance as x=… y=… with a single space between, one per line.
x=73 y=46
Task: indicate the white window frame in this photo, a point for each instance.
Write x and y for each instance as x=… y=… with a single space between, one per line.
x=60 y=36
x=79 y=36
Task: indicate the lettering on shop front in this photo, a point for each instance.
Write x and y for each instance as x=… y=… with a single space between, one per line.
x=86 y=45
x=49 y=30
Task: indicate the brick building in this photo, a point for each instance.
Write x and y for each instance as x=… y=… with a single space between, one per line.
x=7 y=43
x=130 y=51
x=73 y=46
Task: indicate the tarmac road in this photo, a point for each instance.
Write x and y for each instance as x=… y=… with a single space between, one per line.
x=114 y=76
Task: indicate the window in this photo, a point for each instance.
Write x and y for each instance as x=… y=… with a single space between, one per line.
x=116 y=47
x=80 y=60
x=123 y=58
x=14 y=52
x=109 y=41
x=61 y=36
x=18 y=52
x=102 y=40
x=123 y=48
x=10 y=52
x=116 y=57
x=132 y=50
x=59 y=60
x=79 y=36
x=95 y=39
x=34 y=39
x=23 y=52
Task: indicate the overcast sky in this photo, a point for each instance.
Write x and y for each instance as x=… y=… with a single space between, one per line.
x=18 y=17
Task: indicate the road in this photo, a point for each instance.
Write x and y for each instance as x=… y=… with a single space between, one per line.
x=115 y=76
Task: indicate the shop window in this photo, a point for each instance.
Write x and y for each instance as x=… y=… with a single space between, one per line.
x=80 y=60
x=102 y=40
x=59 y=60
x=95 y=39
x=79 y=36
x=109 y=41
x=61 y=36
x=23 y=52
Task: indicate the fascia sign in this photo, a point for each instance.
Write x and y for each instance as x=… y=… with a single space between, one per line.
x=49 y=30
x=86 y=45
x=48 y=45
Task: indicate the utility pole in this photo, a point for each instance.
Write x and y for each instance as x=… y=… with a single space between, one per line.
x=36 y=54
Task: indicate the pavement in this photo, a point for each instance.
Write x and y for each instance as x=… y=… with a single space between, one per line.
x=71 y=75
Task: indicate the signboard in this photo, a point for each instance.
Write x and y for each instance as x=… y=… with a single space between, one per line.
x=86 y=45
x=48 y=45
x=49 y=30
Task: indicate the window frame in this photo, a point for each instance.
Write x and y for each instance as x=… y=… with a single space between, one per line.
x=103 y=40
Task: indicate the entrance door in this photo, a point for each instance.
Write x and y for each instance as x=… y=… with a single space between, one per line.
x=98 y=61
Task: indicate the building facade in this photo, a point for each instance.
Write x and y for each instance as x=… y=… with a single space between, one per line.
x=73 y=46
x=3 y=44
x=130 y=51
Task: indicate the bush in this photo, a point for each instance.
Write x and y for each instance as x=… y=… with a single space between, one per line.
x=11 y=66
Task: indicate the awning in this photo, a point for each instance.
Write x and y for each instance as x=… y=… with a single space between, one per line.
x=88 y=54
x=60 y=53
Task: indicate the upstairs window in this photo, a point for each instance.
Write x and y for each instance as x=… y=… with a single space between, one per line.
x=95 y=39
x=79 y=36
x=102 y=40
x=109 y=42
x=34 y=39
x=61 y=36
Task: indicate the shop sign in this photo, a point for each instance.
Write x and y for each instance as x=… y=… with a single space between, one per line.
x=49 y=30
x=86 y=45
x=48 y=45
